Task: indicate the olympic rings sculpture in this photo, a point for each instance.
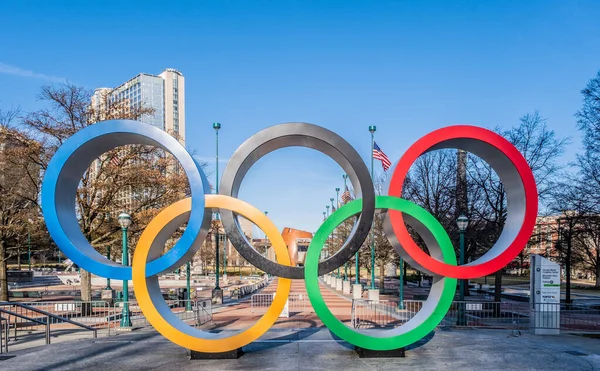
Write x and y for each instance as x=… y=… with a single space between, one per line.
x=76 y=154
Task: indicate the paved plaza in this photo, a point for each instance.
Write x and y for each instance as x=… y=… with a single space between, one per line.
x=317 y=349
x=300 y=342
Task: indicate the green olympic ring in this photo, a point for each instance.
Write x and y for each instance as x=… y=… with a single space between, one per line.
x=434 y=308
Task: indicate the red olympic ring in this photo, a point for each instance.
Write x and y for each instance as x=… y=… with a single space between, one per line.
x=486 y=141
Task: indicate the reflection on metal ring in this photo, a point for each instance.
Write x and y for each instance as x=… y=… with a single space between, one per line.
x=298 y=135
x=147 y=289
x=66 y=169
x=516 y=177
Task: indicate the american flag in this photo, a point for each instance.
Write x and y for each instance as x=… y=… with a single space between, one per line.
x=379 y=155
x=346 y=197
x=116 y=159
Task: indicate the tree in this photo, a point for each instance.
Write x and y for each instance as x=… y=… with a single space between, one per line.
x=588 y=245
x=135 y=178
x=17 y=188
x=541 y=149
x=570 y=204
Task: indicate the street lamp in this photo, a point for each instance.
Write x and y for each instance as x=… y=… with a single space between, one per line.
x=372 y=130
x=108 y=279
x=217 y=126
x=188 y=303
x=333 y=233
x=29 y=243
x=462 y=222
x=267 y=246
x=125 y=222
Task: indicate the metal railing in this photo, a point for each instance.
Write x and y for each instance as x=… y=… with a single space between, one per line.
x=192 y=312
x=476 y=314
x=4 y=327
x=381 y=313
x=66 y=317
x=240 y=292
x=28 y=318
x=569 y=317
x=298 y=303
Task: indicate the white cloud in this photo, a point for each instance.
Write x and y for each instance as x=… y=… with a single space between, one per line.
x=17 y=71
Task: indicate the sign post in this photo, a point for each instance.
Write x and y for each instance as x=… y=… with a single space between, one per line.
x=544 y=296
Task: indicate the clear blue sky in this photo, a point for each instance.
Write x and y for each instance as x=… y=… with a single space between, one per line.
x=407 y=67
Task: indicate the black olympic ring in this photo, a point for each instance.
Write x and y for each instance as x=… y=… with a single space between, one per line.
x=298 y=135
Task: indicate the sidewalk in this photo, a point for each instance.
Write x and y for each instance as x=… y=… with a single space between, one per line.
x=317 y=349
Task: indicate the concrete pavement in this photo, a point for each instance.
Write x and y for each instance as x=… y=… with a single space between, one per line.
x=317 y=349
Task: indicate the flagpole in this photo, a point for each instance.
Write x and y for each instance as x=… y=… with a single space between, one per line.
x=372 y=129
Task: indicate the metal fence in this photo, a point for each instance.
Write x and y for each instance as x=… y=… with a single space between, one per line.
x=192 y=312
x=297 y=303
x=377 y=314
x=99 y=315
x=239 y=292
x=570 y=317
x=490 y=315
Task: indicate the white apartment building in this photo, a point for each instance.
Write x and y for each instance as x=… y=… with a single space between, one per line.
x=165 y=93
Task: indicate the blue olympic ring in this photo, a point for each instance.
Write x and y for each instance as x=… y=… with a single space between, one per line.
x=64 y=173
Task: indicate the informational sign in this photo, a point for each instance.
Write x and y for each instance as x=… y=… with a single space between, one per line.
x=64 y=307
x=545 y=296
x=550 y=288
x=474 y=306
x=545 y=285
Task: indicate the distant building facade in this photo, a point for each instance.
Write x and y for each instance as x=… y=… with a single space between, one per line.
x=164 y=93
x=297 y=242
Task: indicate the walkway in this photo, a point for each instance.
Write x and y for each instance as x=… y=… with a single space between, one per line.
x=239 y=315
x=316 y=349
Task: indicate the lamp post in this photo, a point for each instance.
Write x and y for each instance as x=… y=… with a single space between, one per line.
x=401 y=284
x=108 y=279
x=29 y=243
x=462 y=222
x=217 y=126
x=337 y=201
x=29 y=250
x=188 y=303
x=372 y=130
x=267 y=246
x=125 y=222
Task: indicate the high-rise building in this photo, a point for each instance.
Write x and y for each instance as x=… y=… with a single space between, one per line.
x=164 y=93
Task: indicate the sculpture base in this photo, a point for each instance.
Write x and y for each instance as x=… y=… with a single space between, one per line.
x=374 y=294
x=368 y=353
x=357 y=291
x=347 y=287
x=217 y=296
x=232 y=354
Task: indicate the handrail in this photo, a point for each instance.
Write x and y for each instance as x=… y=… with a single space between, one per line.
x=15 y=314
x=5 y=335
x=21 y=316
x=52 y=315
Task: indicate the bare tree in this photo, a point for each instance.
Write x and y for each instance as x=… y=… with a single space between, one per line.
x=141 y=172
x=541 y=149
x=588 y=245
x=17 y=189
x=572 y=208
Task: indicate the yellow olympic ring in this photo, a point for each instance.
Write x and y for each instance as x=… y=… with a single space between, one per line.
x=182 y=334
